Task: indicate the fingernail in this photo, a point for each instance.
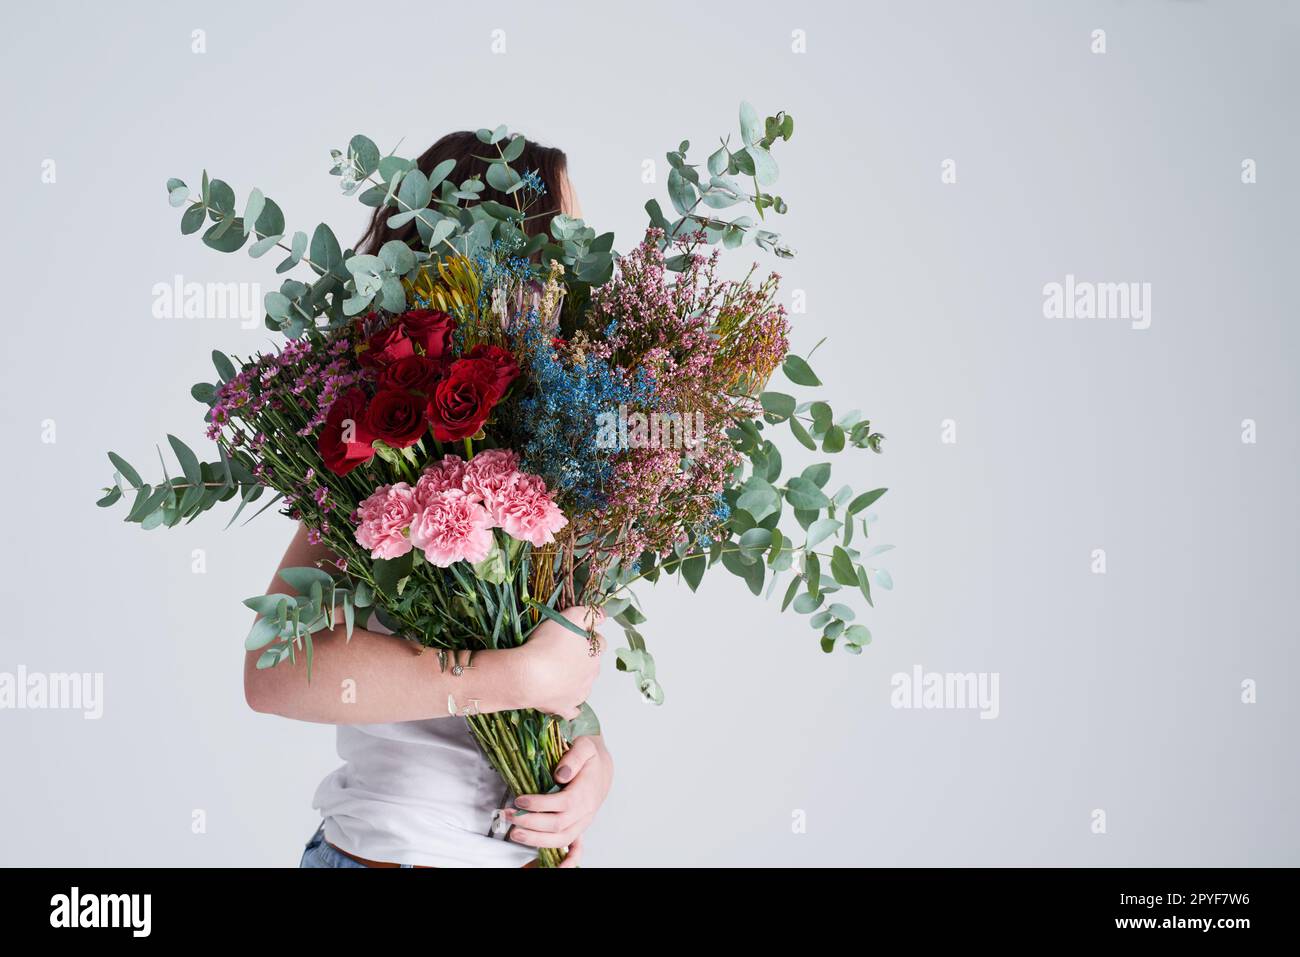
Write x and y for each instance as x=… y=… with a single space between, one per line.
x=521 y=802
x=563 y=774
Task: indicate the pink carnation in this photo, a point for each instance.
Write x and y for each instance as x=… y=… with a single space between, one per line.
x=525 y=510
x=453 y=527
x=383 y=519
x=448 y=473
x=487 y=474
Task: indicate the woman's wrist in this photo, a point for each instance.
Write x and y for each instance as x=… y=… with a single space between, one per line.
x=493 y=681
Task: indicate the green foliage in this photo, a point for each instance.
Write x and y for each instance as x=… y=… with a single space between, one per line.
x=823 y=557
x=694 y=194
x=727 y=200
x=450 y=219
x=286 y=622
x=637 y=660
x=584 y=725
x=198 y=487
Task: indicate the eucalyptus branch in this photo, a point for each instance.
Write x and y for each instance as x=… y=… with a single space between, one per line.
x=722 y=551
x=221 y=216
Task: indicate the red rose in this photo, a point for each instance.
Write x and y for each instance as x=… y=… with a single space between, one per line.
x=387 y=345
x=345 y=439
x=398 y=417
x=500 y=361
x=413 y=374
x=431 y=329
x=462 y=402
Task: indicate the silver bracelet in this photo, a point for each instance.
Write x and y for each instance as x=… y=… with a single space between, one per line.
x=457 y=669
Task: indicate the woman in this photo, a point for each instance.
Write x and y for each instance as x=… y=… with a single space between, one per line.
x=415 y=791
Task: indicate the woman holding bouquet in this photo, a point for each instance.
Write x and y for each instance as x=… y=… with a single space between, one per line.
x=415 y=790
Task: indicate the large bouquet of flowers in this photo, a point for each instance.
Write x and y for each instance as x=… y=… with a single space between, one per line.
x=486 y=426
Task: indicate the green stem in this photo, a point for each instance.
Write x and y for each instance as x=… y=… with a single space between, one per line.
x=498 y=735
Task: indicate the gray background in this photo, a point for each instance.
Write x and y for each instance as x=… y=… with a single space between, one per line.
x=1118 y=691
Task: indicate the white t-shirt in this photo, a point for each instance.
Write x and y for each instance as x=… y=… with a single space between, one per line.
x=416 y=792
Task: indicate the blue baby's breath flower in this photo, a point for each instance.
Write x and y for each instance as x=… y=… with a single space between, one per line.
x=501 y=268
x=533 y=183
x=560 y=421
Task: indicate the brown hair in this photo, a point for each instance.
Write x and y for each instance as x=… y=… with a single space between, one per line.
x=466 y=149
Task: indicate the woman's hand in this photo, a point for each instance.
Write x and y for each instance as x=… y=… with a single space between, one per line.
x=556 y=668
x=558 y=820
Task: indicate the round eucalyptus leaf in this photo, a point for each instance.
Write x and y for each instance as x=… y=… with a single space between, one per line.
x=857 y=635
x=798 y=371
x=221 y=197
x=365 y=154
x=253 y=208
x=392 y=295
x=192 y=220
x=278 y=305
x=263 y=245
x=801 y=493
x=390 y=166
x=806 y=603
x=777 y=404
x=501 y=177
x=227 y=236
x=765 y=168
x=270 y=221
x=514 y=149
x=751 y=125
x=397 y=256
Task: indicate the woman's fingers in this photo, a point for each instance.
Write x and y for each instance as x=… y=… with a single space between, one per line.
x=542 y=838
x=585 y=617
x=548 y=838
x=540 y=821
x=574 y=857
x=569 y=799
x=556 y=803
x=582 y=751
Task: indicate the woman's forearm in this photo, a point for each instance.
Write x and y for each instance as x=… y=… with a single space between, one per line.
x=376 y=679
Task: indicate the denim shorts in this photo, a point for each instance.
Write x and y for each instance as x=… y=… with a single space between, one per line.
x=320 y=853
